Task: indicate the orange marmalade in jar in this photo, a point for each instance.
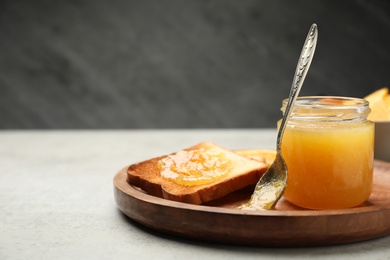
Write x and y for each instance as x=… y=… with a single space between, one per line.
x=328 y=147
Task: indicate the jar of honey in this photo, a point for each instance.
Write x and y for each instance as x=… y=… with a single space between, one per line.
x=328 y=146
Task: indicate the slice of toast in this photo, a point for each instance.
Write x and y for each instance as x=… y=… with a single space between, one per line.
x=267 y=156
x=242 y=171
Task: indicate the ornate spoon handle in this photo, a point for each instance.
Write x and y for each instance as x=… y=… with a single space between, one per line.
x=299 y=77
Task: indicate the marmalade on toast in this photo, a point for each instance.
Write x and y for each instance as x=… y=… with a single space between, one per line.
x=195 y=167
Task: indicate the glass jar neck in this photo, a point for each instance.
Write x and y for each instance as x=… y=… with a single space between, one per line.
x=328 y=108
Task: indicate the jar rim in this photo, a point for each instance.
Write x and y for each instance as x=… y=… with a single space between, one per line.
x=328 y=107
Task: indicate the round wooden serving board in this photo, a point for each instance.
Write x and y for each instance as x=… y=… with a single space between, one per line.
x=287 y=225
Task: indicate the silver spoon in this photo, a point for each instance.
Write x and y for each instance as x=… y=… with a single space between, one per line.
x=270 y=187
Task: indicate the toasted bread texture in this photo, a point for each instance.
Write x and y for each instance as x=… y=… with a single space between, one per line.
x=267 y=156
x=242 y=171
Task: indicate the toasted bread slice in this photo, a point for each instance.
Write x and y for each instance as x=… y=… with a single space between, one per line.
x=241 y=171
x=267 y=156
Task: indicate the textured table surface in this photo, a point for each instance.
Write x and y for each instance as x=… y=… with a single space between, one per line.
x=56 y=198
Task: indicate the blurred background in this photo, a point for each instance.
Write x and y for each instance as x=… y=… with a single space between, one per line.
x=128 y=64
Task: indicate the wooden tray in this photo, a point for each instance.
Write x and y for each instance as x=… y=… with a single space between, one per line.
x=288 y=225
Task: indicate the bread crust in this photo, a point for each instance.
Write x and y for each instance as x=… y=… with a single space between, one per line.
x=146 y=175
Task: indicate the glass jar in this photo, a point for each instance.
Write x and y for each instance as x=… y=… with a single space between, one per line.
x=328 y=146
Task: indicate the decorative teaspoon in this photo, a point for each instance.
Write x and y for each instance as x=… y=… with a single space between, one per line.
x=271 y=185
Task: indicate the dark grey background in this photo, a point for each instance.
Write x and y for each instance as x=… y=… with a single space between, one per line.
x=180 y=64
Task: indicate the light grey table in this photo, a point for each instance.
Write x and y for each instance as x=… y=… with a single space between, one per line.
x=56 y=198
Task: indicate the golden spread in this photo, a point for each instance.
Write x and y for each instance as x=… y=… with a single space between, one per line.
x=328 y=147
x=195 y=167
